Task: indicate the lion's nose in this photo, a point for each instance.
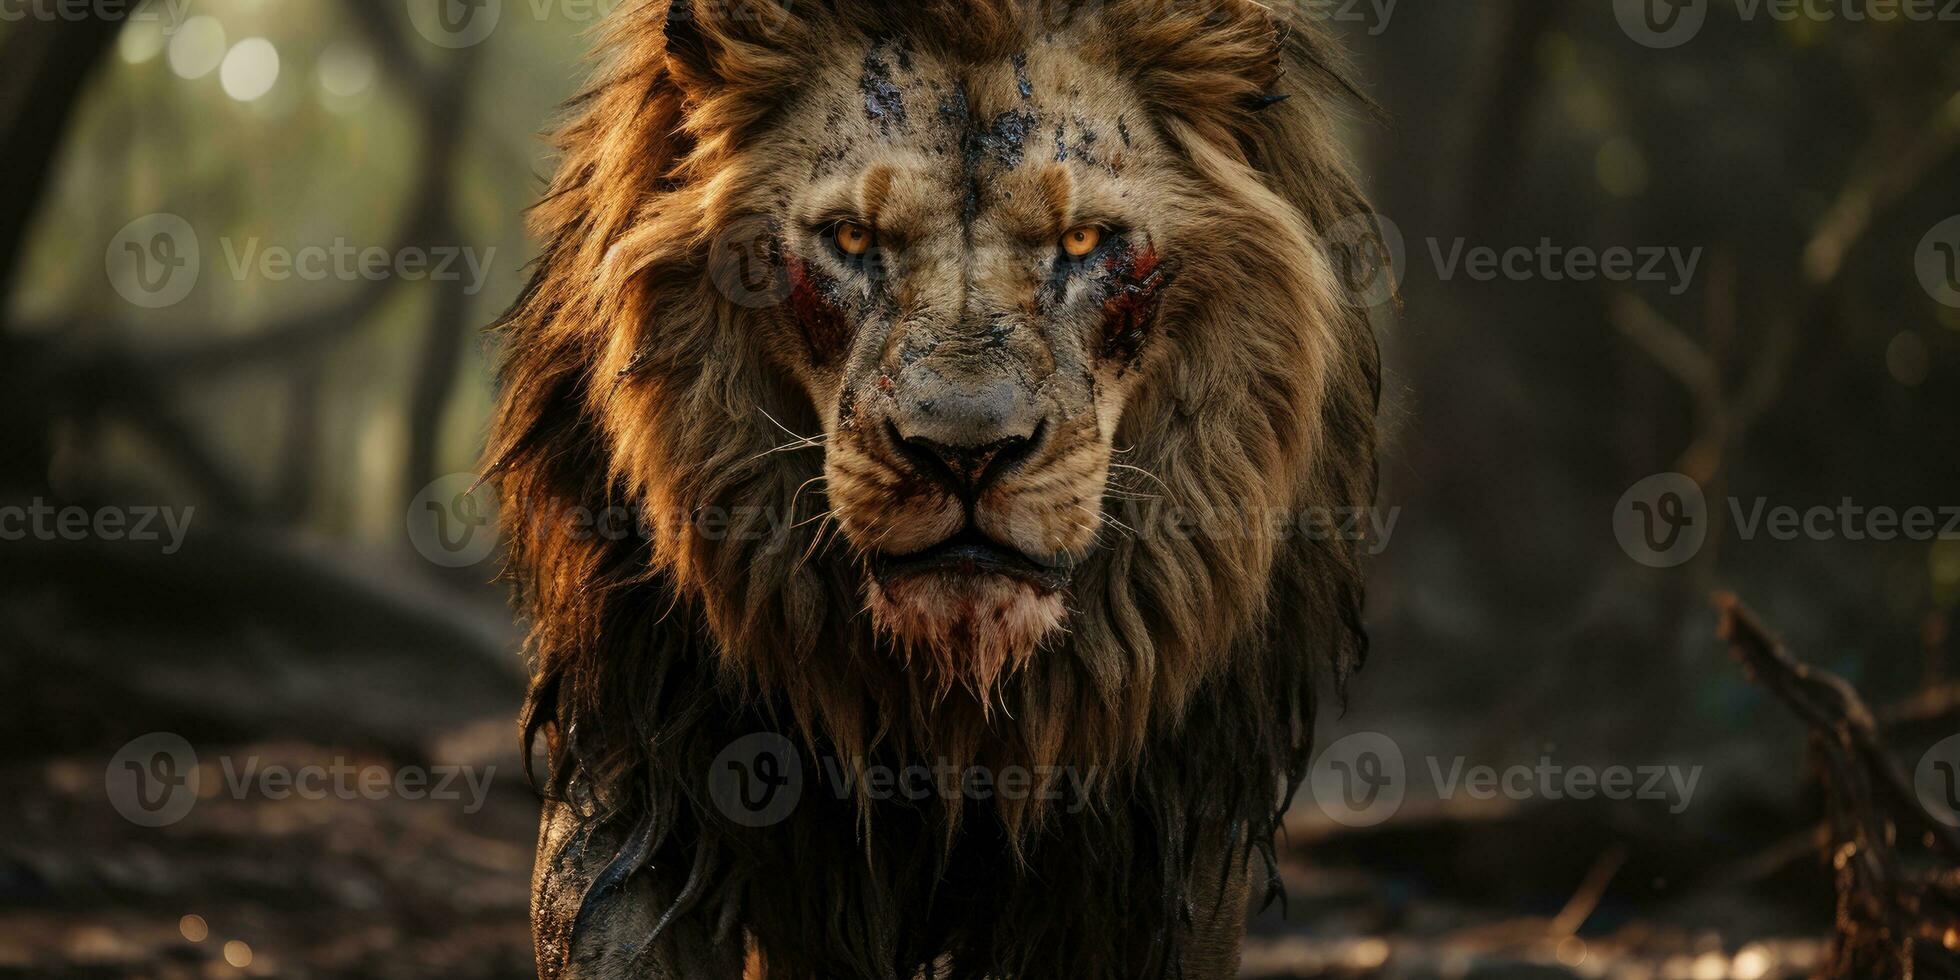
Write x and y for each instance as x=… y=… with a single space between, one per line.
x=966 y=437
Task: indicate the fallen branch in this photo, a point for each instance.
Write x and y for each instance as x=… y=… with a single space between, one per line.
x=1892 y=920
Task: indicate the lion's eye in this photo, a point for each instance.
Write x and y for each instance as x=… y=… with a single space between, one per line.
x=1079 y=242
x=853 y=238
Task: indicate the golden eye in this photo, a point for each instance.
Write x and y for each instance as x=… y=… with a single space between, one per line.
x=854 y=238
x=1079 y=242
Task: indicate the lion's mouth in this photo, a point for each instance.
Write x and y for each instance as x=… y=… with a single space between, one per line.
x=973 y=554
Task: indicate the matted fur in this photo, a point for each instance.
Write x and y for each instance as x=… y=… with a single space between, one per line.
x=1186 y=679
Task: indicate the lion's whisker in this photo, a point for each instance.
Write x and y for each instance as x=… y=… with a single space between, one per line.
x=1154 y=478
x=787 y=447
x=792 y=432
x=1107 y=518
x=798 y=495
x=816 y=543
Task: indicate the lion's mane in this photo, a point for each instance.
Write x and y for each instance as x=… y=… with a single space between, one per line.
x=1187 y=682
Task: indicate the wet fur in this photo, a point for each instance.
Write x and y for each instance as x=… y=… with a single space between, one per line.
x=1187 y=679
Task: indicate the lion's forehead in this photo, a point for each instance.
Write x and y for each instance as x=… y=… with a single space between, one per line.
x=968 y=125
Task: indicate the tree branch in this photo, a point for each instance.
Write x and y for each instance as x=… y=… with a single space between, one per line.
x=1890 y=921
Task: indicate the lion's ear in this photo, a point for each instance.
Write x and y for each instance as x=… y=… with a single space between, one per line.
x=1215 y=64
x=715 y=44
x=688 y=51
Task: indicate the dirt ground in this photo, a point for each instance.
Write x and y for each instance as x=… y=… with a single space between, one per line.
x=271 y=884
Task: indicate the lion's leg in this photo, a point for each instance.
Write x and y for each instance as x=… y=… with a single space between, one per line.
x=1218 y=923
x=612 y=946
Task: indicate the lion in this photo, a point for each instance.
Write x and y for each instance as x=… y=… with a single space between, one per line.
x=926 y=342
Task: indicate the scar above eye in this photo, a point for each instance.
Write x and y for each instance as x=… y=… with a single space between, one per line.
x=884 y=103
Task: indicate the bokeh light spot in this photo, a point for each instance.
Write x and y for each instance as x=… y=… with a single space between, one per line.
x=1908 y=359
x=250 y=69
x=198 y=47
x=346 y=70
x=140 y=41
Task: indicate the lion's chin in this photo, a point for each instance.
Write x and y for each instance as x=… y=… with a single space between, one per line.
x=971 y=630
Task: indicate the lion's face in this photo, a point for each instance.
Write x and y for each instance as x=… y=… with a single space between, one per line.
x=975 y=259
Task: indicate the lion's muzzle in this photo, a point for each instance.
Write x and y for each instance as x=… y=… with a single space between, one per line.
x=966 y=477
